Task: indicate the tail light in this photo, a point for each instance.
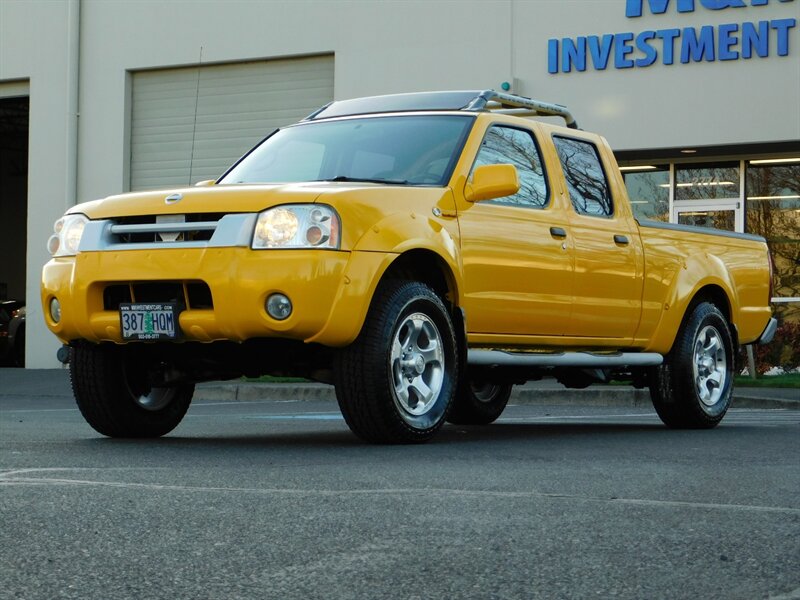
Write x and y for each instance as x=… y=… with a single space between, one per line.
x=771 y=276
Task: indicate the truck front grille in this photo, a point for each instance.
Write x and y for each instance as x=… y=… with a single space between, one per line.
x=157 y=232
x=190 y=294
x=197 y=227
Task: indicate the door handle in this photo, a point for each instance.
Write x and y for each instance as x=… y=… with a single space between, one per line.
x=620 y=239
x=558 y=232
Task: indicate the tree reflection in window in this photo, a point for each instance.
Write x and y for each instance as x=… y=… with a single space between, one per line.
x=588 y=188
x=506 y=145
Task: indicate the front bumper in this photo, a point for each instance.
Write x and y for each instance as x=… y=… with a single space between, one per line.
x=240 y=280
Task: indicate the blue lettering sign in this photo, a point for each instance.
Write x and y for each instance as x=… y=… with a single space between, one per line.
x=720 y=4
x=573 y=52
x=782 y=26
x=728 y=40
x=755 y=39
x=643 y=45
x=622 y=48
x=697 y=48
x=635 y=8
x=669 y=36
x=709 y=43
x=552 y=56
x=600 y=50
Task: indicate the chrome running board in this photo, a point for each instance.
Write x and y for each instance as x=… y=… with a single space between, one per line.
x=583 y=360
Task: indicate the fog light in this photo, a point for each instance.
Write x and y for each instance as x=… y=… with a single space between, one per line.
x=279 y=306
x=55 y=310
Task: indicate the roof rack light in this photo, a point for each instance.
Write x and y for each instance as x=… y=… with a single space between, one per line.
x=522 y=106
x=475 y=101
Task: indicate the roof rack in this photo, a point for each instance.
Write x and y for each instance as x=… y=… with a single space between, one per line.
x=511 y=104
x=478 y=101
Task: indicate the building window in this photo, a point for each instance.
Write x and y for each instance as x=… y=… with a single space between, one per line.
x=648 y=190
x=773 y=211
x=707 y=181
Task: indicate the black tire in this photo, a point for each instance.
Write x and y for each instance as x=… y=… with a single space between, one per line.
x=382 y=377
x=114 y=397
x=694 y=386
x=479 y=402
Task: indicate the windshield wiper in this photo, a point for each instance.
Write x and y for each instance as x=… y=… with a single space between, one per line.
x=366 y=180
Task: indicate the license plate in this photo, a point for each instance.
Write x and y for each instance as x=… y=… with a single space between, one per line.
x=141 y=321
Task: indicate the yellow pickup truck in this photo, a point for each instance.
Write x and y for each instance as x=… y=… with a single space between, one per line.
x=422 y=252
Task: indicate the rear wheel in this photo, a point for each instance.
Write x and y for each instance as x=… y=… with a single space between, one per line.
x=694 y=386
x=115 y=397
x=479 y=402
x=394 y=384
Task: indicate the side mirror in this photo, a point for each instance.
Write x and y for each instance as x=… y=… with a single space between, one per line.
x=492 y=181
x=205 y=183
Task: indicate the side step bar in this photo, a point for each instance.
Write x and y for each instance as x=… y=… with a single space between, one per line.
x=584 y=360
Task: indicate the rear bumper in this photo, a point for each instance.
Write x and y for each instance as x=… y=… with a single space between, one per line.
x=769 y=332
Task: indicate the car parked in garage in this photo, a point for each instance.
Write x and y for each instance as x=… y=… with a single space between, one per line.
x=12 y=333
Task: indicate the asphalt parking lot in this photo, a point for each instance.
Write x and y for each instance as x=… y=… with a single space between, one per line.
x=276 y=499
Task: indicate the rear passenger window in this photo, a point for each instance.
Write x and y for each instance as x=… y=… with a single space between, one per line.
x=506 y=145
x=586 y=180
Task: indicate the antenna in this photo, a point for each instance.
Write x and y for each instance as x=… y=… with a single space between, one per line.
x=194 y=124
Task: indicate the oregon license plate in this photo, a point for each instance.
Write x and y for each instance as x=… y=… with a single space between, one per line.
x=143 y=321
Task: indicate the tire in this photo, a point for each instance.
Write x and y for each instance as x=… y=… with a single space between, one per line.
x=396 y=382
x=114 y=397
x=694 y=386
x=479 y=402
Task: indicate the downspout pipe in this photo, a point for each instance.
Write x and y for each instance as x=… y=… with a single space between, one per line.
x=73 y=98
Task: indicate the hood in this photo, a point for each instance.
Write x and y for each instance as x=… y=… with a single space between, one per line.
x=211 y=199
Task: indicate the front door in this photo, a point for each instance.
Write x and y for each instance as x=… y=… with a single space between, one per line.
x=515 y=250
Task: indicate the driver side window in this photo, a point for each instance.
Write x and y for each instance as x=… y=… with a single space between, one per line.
x=508 y=145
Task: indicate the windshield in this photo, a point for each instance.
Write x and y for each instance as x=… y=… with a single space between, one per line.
x=403 y=150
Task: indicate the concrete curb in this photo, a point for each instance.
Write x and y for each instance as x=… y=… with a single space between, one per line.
x=528 y=394
x=22 y=383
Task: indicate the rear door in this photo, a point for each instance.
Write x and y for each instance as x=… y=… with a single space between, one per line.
x=608 y=271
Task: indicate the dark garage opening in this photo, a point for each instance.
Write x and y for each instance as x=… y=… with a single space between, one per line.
x=13 y=226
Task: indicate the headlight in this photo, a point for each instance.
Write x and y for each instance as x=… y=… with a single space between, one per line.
x=67 y=237
x=297 y=226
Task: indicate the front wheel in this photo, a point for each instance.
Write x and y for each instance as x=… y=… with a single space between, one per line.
x=394 y=384
x=113 y=394
x=694 y=386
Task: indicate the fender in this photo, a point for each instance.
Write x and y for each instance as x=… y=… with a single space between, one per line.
x=696 y=272
x=373 y=254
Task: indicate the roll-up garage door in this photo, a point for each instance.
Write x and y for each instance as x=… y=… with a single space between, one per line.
x=190 y=124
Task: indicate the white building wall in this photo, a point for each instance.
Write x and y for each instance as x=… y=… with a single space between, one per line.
x=379 y=47
x=34 y=47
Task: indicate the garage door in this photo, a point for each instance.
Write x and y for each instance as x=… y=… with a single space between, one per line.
x=236 y=105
